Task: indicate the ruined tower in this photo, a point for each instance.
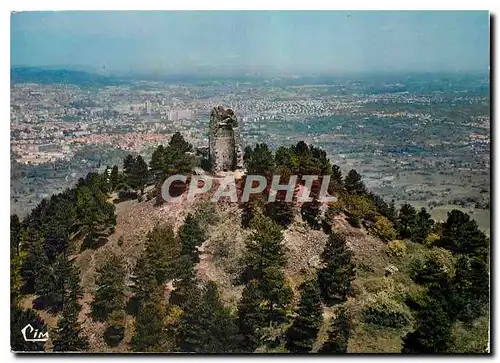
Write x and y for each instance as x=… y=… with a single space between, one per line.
x=225 y=151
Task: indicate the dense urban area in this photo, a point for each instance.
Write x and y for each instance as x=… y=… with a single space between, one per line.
x=423 y=138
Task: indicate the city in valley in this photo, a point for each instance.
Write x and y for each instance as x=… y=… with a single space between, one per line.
x=419 y=138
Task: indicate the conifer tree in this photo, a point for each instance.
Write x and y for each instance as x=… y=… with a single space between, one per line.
x=461 y=234
x=208 y=327
x=144 y=278
x=471 y=285
x=15 y=234
x=192 y=236
x=353 y=183
x=303 y=332
x=260 y=161
x=110 y=287
x=405 y=222
x=157 y=164
x=150 y=323
x=337 y=271
x=178 y=142
x=336 y=183
x=95 y=215
x=285 y=160
x=255 y=205
x=128 y=169
x=265 y=247
x=162 y=249
x=34 y=270
x=423 y=226
x=140 y=174
x=433 y=332
x=61 y=284
x=68 y=335
x=16 y=280
x=114 y=178
x=247 y=154
x=338 y=335
x=280 y=212
x=251 y=317
x=159 y=261
x=391 y=215
x=186 y=292
x=115 y=327
x=310 y=212
x=277 y=295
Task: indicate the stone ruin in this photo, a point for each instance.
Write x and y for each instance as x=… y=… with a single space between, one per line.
x=225 y=149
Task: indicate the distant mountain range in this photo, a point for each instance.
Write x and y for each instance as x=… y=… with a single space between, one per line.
x=60 y=76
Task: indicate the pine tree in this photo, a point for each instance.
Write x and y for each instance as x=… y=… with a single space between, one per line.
x=192 y=236
x=68 y=336
x=95 y=215
x=310 y=212
x=471 y=285
x=255 y=205
x=265 y=247
x=186 y=292
x=353 y=183
x=57 y=229
x=208 y=326
x=392 y=211
x=15 y=234
x=405 y=222
x=460 y=234
x=157 y=164
x=433 y=332
x=158 y=263
x=35 y=266
x=277 y=295
x=16 y=280
x=115 y=328
x=61 y=283
x=284 y=158
x=150 y=323
x=177 y=161
x=336 y=183
x=114 y=178
x=177 y=142
x=423 y=226
x=247 y=154
x=280 y=212
x=251 y=317
x=162 y=250
x=110 y=287
x=335 y=277
x=140 y=174
x=338 y=336
x=128 y=169
x=144 y=279
x=303 y=332
x=260 y=161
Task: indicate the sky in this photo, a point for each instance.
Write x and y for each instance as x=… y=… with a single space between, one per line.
x=293 y=42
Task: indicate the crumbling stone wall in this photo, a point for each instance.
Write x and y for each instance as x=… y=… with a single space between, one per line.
x=225 y=152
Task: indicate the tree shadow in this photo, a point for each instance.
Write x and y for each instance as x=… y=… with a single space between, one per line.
x=132 y=306
x=46 y=304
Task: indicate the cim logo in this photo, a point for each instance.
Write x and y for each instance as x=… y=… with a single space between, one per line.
x=31 y=334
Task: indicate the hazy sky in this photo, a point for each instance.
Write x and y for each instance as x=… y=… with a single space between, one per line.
x=302 y=41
